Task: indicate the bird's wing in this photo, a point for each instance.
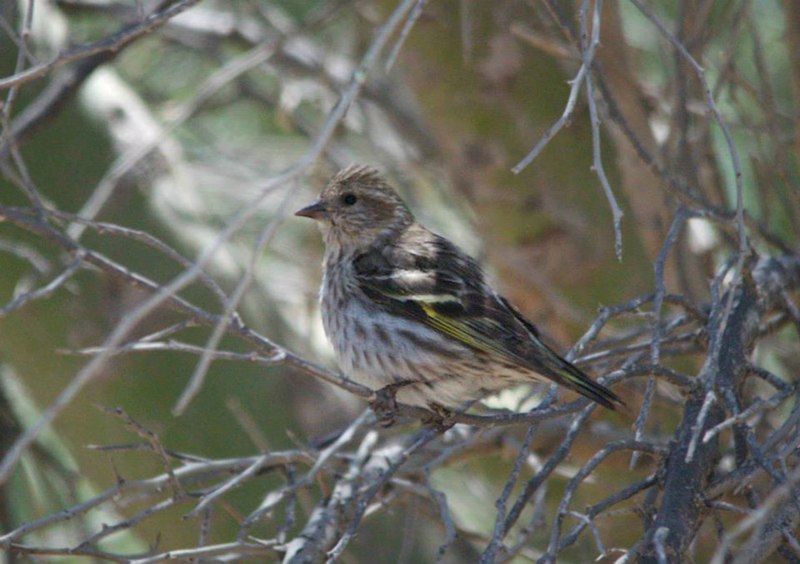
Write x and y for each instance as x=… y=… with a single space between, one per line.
x=429 y=280
x=433 y=282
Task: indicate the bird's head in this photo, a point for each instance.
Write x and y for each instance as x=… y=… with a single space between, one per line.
x=356 y=207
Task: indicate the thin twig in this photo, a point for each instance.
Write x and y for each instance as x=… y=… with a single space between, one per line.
x=110 y=43
x=597 y=158
x=566 y=116
x=490 y=553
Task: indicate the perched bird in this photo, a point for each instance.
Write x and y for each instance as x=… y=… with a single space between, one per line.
x=408 y=311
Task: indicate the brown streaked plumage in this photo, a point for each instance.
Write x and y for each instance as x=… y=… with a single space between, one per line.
x=406 y=308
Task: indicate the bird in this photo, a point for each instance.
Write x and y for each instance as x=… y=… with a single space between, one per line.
x=411 y=316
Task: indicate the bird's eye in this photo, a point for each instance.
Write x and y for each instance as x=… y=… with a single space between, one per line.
x=349 y=199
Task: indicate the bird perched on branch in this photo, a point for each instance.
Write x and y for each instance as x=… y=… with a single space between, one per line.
x=411 y=314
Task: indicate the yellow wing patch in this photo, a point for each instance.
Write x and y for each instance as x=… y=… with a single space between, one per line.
x=462 y=332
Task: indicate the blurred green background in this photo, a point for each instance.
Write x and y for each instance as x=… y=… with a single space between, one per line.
x=474 y=87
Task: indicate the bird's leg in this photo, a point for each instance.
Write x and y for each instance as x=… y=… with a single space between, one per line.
x=441 y=418
x=384 y=403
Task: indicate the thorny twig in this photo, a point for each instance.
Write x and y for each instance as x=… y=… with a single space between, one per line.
x=730 y=442
x=246 y=212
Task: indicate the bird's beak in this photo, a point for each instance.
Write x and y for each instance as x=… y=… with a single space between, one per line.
x=317 y=211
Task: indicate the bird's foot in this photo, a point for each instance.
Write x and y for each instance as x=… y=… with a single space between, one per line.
x=384 y=403
x=440 y=418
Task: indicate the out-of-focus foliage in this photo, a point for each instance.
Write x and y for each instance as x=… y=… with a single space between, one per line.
x=179 y=131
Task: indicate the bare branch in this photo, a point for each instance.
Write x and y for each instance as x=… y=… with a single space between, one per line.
x=110 y=43
x=706 y=125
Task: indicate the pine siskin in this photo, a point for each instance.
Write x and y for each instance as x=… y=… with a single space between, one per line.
x=408 y=311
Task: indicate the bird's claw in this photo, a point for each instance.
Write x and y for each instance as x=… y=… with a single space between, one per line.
x=441 y=418
x=384 y=403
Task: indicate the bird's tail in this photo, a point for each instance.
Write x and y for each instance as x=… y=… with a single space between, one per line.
x=550 y=364
x=569 y=375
